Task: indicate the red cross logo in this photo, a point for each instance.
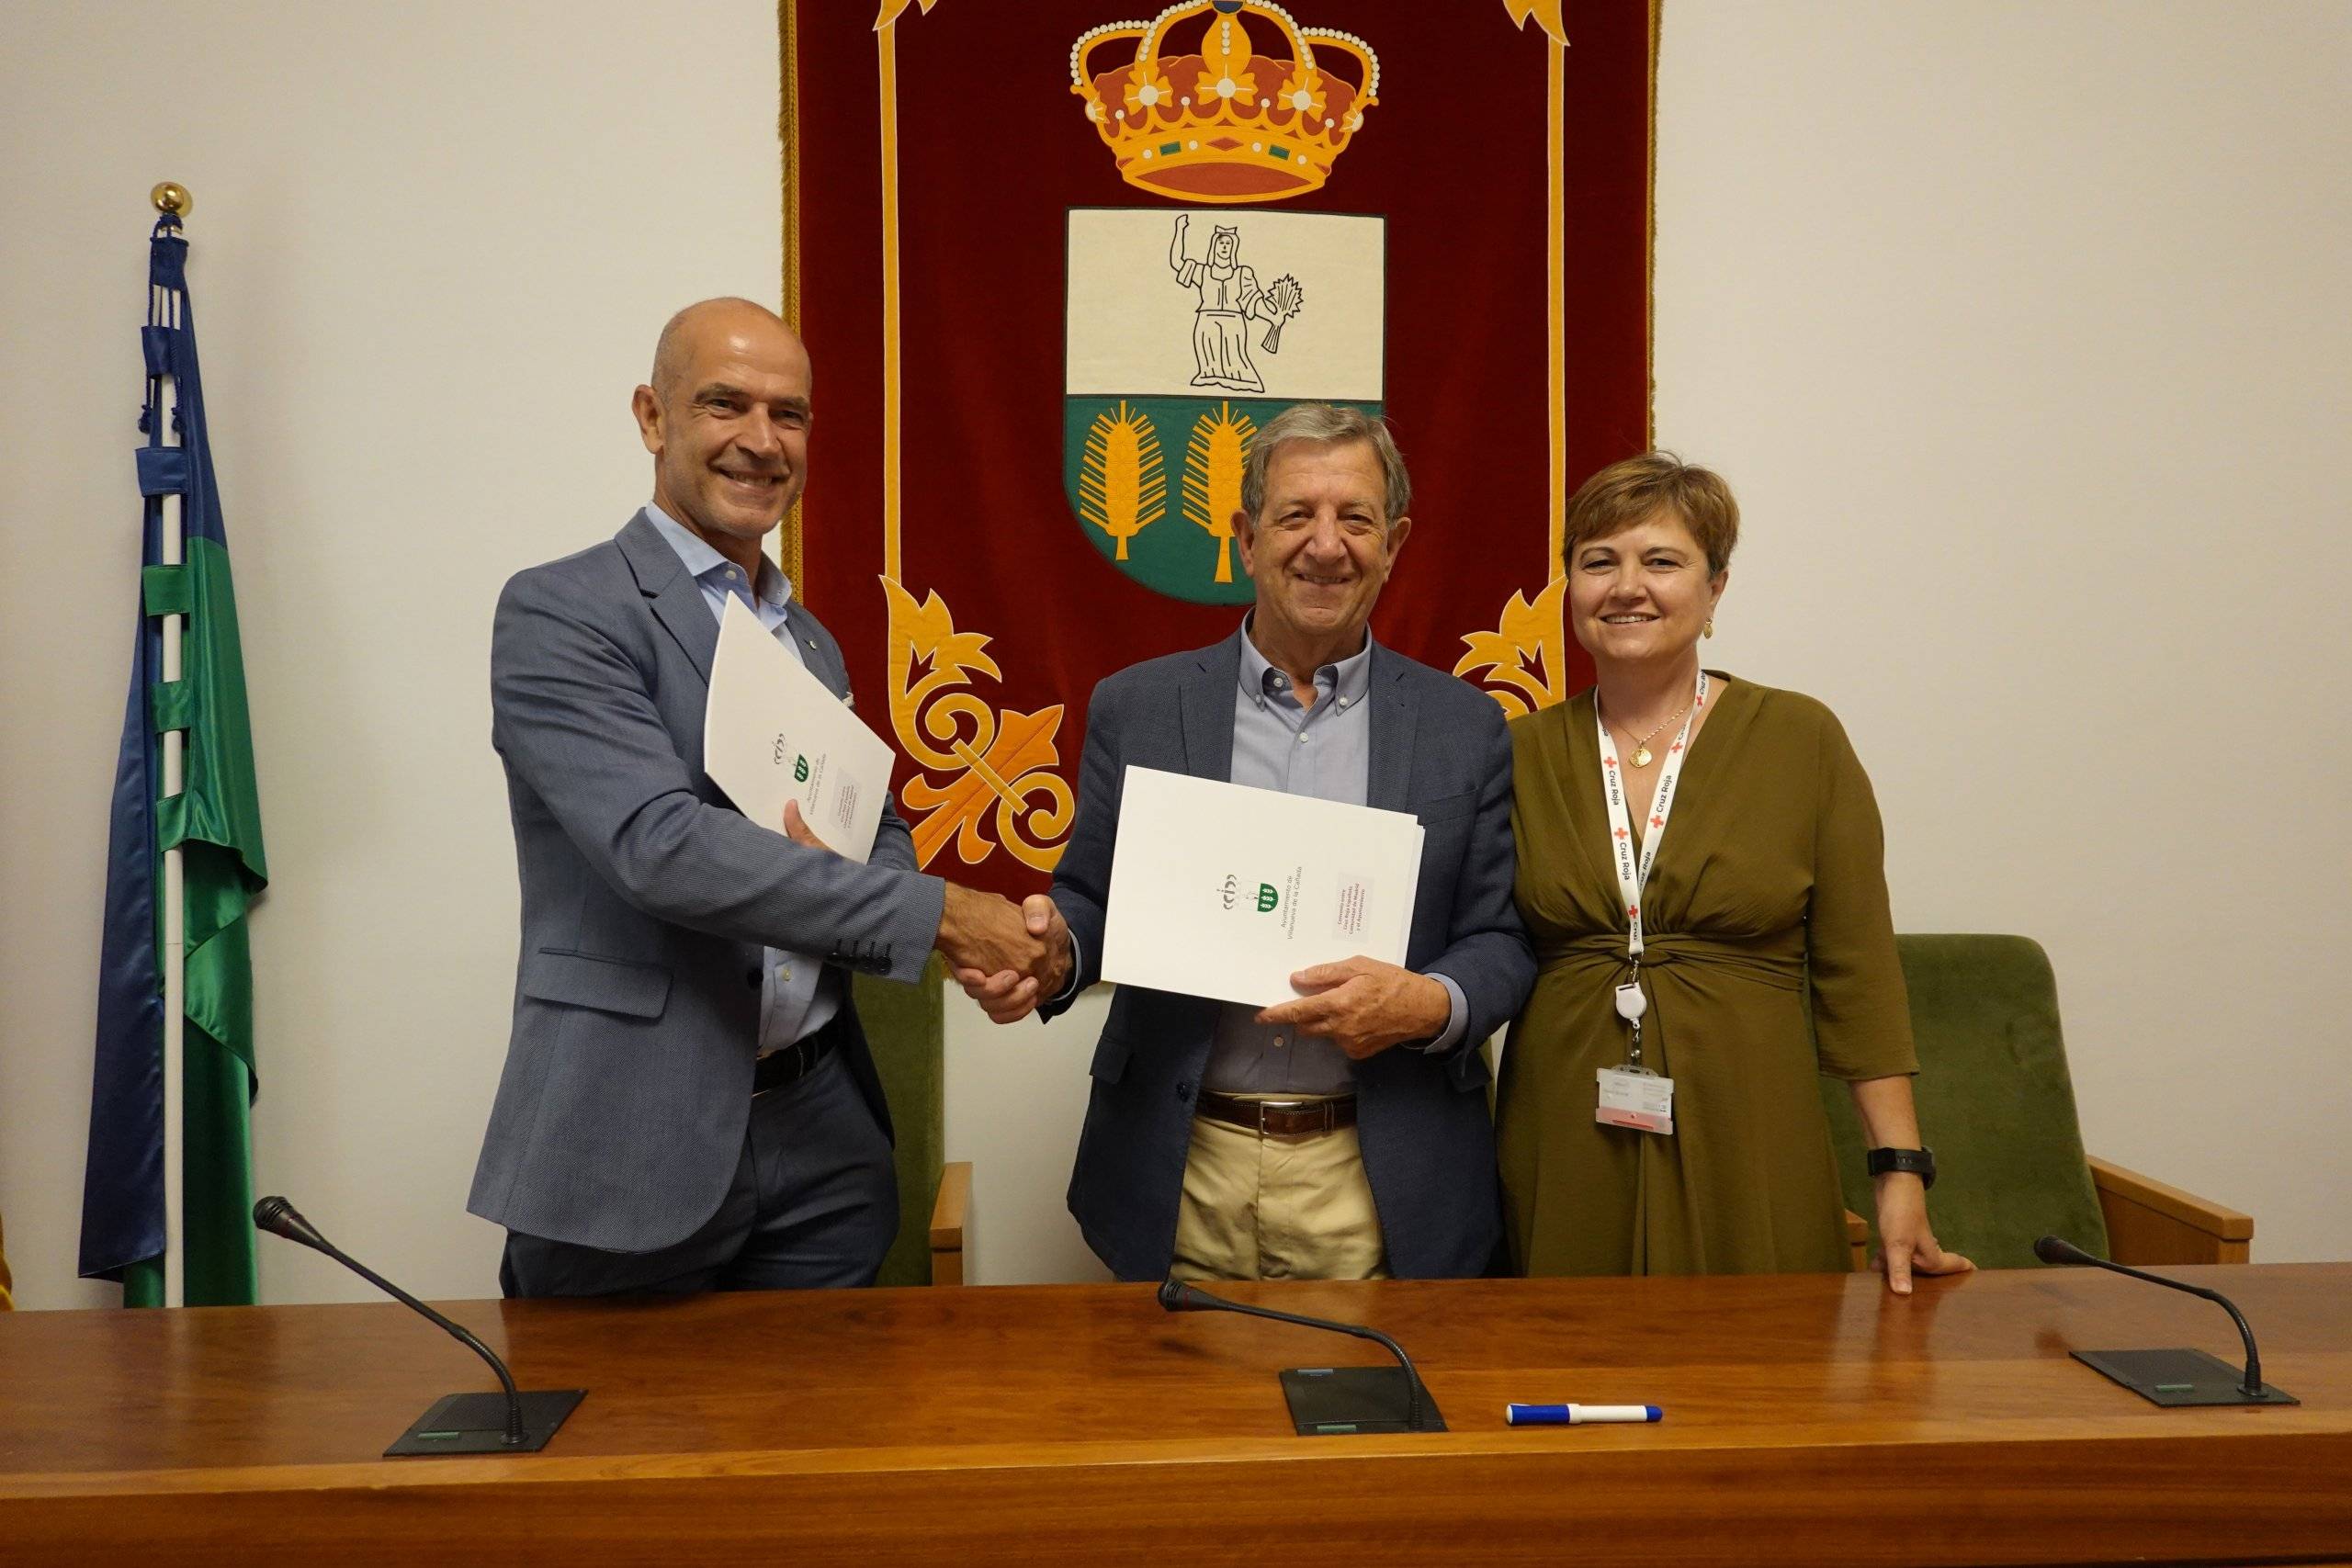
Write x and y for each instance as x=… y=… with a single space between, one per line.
x=1657 y=821
x=1632 y=911
x=1620 y=832
x=1676 y=746
x=1609 y=762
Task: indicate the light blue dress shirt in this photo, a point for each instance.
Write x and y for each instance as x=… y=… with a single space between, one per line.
x=1323 y=750
x=798 y=995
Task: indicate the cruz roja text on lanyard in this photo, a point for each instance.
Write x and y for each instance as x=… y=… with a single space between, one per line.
x=1633 y=1096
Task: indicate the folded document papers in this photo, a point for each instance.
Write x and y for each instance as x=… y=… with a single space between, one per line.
x=773 y=732
x=1221 y=890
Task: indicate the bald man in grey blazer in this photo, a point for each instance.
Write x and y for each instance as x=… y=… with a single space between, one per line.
x=689 y=1101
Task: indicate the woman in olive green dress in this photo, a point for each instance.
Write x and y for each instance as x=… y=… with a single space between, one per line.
x=1769 y=881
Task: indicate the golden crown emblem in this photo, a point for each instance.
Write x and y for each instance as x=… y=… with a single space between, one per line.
x=1224 y=122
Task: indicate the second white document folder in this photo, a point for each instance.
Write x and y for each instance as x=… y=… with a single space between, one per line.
x=1221 y=890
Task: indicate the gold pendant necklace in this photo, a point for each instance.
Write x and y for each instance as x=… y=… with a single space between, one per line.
x=1642 y=757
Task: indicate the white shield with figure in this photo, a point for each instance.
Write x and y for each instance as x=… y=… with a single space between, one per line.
x=1184 y=331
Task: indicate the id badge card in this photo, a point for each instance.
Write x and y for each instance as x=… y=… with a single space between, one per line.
x=1635 y=1098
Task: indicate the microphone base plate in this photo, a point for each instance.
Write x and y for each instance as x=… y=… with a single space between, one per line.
x=1344 y=1402
x=475 y=1424
x=2180 y=1376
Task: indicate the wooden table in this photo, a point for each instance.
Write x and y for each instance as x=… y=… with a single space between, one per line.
x=1810 y=1419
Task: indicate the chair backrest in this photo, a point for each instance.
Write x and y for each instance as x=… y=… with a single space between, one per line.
x=1996 y=1103
x=906 y=1027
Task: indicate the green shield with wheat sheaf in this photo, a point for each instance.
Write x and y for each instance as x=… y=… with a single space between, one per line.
x=1155 y=482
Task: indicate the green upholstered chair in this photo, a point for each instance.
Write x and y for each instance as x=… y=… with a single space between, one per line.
x=1997 y=1106
x=906 y=1027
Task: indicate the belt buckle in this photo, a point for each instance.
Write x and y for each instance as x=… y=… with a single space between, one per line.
x=804 y=1056
x=1293 y=1107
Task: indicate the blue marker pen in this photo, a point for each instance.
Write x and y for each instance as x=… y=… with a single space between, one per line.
x=1578 y=1415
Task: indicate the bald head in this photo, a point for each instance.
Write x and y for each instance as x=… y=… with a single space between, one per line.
x=701 y=323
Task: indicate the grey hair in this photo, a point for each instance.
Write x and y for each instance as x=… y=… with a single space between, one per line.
x=1332 y=424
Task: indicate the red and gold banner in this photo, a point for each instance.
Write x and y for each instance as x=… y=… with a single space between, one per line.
x=1057 y=263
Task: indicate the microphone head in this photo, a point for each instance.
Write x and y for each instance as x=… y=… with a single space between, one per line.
x=279 y=1217
x=1177 y=1296
x=2057 y=1249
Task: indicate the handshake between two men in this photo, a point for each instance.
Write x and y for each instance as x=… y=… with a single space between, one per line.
x=599 y=707
x=1009 y=956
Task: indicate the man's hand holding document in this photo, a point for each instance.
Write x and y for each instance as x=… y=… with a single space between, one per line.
x=772 y=733
x=1224 y=891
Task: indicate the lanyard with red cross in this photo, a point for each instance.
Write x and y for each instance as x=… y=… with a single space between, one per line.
x=1633 y=874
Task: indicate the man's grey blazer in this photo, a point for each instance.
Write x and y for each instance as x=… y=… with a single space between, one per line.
x=646 y=900
x=1439 y=750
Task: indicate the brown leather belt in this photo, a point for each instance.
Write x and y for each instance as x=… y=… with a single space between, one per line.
x=1278 y=1117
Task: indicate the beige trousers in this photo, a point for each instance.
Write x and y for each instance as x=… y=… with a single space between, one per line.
x=1276 y=1208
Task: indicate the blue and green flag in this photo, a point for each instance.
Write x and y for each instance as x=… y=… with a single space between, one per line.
x=215 y=822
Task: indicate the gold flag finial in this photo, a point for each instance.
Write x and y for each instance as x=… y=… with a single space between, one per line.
x=172 y=197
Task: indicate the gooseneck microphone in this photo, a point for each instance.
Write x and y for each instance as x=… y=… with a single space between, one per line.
x=1177 y=1296
x=441 y=1430
x=2057 y=1249
x=2169 y=1377
x=279 y=1217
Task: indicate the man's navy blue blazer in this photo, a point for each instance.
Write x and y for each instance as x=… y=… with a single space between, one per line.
x=1439 y=750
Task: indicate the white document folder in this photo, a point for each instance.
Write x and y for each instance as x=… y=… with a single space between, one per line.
x=772 y=732
x=1221 y=890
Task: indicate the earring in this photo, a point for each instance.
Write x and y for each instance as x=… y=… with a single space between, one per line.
x=1709 y=630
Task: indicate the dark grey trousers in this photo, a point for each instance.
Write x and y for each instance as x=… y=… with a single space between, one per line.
x=814 y=1202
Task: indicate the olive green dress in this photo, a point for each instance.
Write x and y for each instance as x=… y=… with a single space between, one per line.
x=1773 y=864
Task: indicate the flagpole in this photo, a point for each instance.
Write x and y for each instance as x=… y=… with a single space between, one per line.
x=172 y=198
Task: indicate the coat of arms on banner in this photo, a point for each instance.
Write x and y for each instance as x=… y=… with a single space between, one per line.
x=1184 y=334
x=1185 y=331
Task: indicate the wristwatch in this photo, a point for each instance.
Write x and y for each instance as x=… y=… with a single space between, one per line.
x=1920 y=1163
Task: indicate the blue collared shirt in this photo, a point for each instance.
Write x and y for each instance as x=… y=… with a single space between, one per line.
x=1323 y=750
x=797 y=994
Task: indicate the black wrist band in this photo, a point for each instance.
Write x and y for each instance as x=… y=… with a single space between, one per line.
x=1920 y=1163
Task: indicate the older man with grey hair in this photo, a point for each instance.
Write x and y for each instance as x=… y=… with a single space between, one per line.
x=1343 y=1135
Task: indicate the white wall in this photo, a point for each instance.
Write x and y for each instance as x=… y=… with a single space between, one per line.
x=2020 y=329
